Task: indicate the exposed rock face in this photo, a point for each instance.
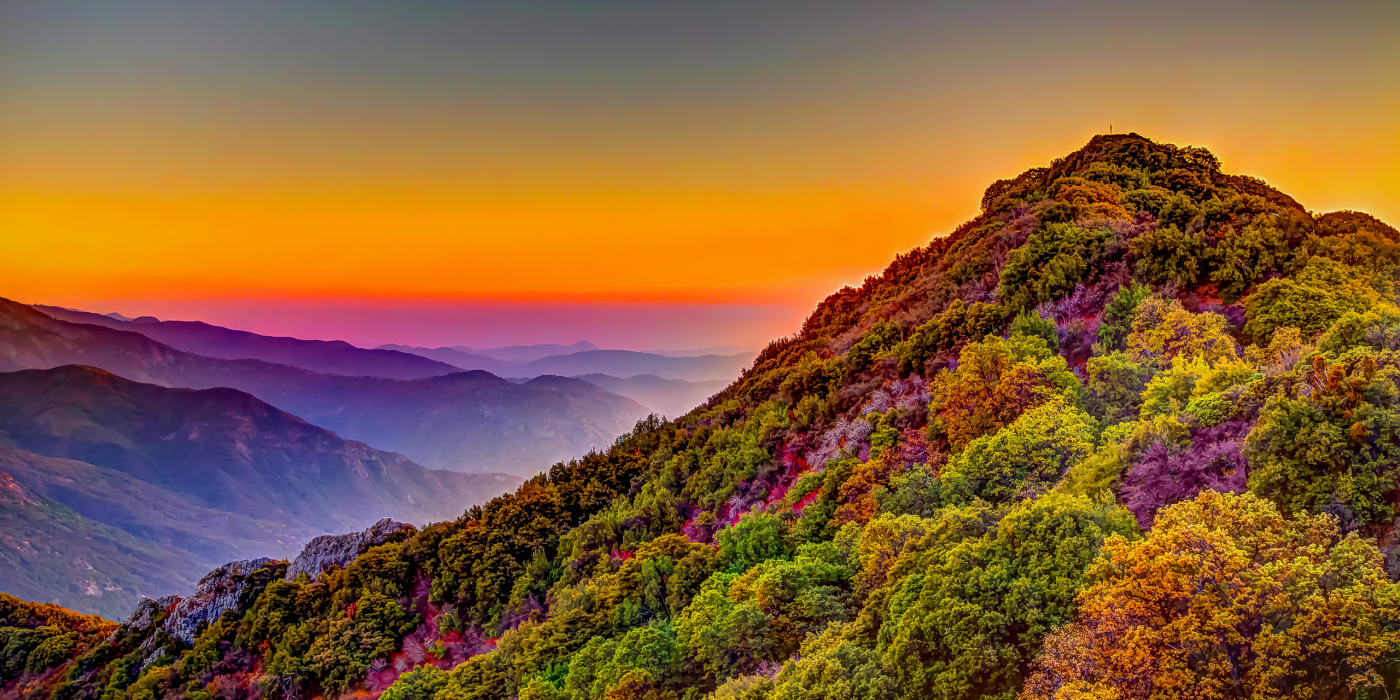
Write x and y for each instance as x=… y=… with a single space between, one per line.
x=145 y=613
x=217 y=592
x=220 y=589
x=338 y=550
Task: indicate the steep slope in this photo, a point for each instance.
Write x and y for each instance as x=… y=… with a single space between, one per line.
x=468 y=421
x=669 y=397
x=149 y=512
x=227 y=451
x=321 y=356
x=1132 y=431
x=50 y=553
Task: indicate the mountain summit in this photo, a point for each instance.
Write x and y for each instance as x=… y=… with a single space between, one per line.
x=1130 y=432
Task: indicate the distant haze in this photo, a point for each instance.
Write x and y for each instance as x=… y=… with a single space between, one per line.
x=680 y=329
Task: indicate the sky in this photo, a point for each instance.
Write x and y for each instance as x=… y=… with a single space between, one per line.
x=638 y=174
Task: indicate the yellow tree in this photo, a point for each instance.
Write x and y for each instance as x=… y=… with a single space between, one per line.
x=1226 y=598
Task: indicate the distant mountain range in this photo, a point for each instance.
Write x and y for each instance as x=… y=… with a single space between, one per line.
x=465 y=421
x=712 y=350
x=137 y=453
x=193 y=477
x=528 y=353
x=711 y=367
x=615 y=363
x=669 y=397
x=322 y=356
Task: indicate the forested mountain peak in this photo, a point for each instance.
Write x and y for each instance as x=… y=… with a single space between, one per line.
x=1130 y=432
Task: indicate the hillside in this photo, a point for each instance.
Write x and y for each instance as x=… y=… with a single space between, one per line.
x=1131 y=432
x=466 y=421
x=50 y=553
x=321 y=356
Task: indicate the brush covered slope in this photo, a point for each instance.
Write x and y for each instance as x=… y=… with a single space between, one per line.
x=123 y=489
x=1132 y=432
x=464 y=421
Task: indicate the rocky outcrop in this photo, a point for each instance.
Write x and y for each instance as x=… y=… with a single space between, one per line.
x=217 y=592
x=221 y=589
x=145 y=614
x=338 y=550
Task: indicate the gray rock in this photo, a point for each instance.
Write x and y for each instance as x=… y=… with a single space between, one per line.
x=144 y=615
x=217 y=592
x=338 y=550
x=152 y=657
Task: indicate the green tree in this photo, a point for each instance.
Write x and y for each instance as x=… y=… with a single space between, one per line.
x=1168 y=254
x=1245 y=256
x=1118 y=316
x=1053 y=259
x=995 y=382
x=1311 y=301
x=1032 y=324
x=1113 y=392
x=969 y=620
x=1337 y=446
x=1030 y=453
x=831 y=667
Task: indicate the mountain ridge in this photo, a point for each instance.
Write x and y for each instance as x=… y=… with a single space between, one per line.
x=618 y=363
x=320 y=356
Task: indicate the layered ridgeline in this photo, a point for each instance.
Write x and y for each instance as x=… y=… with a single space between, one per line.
x=322 y=356
x=462 y=421
x=614 y=363
x=405 y=362
x=1131 y=432
x=121 y=489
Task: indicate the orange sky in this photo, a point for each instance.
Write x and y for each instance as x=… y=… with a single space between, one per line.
x=716 y=155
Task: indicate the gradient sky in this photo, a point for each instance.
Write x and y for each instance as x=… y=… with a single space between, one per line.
x=657 y=174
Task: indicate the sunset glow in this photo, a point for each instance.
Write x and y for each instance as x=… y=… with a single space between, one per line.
x=635 y=155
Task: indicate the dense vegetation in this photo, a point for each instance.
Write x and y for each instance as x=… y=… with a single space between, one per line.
x=1131 y=432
